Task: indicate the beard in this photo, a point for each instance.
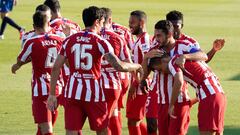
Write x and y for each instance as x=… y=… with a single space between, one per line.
x=136 y=31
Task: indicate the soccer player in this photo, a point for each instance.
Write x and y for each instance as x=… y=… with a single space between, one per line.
x=136 y=97
x=60 y=23
x=211 y=97
x=46 y=10
x=176 y=18
x=125 y=33
x=57 y=21
x=84 y=95
x=110 y=77
x=5 y=7
x=42 y=49
x=164 y=35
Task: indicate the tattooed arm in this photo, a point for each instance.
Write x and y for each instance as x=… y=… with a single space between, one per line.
x=120 y=65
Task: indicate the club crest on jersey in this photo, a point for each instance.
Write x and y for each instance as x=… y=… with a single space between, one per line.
x=83 y=39
x=49 y=42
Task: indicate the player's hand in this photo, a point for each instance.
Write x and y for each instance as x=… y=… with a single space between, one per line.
x=140 y=73
x=144 y=86
x=218 y=44
x=153 y=53
x=66 y=29
x=180 y=61
x=171 y=112
x=15 y=67
x=52 y=103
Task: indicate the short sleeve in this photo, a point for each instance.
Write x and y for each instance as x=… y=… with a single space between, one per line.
x=26 y=51
x=63 y=49
x=105 y=47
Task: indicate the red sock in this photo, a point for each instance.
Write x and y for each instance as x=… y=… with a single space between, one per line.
x=120 y=118
x=39 y=131
x=134 y=130
x=115 y=126
x=143 y=128
x=48 y=134
x=80 y=132
x=54 y=117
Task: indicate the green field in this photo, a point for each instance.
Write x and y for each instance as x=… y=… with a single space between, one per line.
x=205 y=20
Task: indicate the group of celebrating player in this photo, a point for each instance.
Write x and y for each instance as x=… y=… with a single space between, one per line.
x=89 y=71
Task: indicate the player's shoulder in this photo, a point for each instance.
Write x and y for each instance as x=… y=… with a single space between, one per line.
x=188 y=38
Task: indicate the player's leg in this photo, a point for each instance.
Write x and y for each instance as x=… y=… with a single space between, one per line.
x=3 y=25
x=97 y=116
x=114 y=124
x=135 y=113
x=42 y=116
x=152 y=112
x=163 y=119
x=152 y=126
x=211 y=122
x=46 y=128
x=180 y=124
x=74 y=117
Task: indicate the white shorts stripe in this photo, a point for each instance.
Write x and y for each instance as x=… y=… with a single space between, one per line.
x=71 y=87
x=35 y=89
x=79 y=89
x=209 y=86
x=44 y=86
x=89 y=92
x=96 y=90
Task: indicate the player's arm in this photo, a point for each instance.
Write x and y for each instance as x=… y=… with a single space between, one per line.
x=121 y=66
x=177 y=87
x=198 y=55
x=52 y=100
x=17 y=66
x=217 y=46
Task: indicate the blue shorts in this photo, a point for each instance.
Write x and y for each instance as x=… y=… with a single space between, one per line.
x=6 y=5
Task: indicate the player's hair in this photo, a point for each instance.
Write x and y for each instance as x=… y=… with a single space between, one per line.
x=107 y=13
x=164 y=25
x=42 y=8
x=54 y=5
x=91 y=14
x=156 y=60
x=39 y=19
x=141 y=15
x=174 y=16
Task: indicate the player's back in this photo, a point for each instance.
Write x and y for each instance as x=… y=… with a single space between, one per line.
x=59 y=22
x=84 y=51
x=118 y=44
x=125 y=33
x=43 y=50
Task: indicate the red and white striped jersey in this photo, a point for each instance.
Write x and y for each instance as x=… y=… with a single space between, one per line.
x=32 y=33
x=189 y=39
x=43 y=50
x=165 y=81
x=140 y=47
x=125 y=33
x=111 y=77
x=58 y=25
x=199 y=75
x=183 y=47
x=84 y=51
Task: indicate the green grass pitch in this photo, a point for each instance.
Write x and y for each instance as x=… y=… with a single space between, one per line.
x=204 y=20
